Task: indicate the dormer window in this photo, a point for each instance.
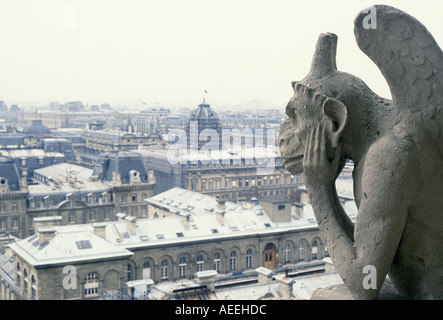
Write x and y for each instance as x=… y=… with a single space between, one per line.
x=48 y=202
x=91 y=199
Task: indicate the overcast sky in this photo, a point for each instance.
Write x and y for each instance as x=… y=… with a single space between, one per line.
x=170 y=51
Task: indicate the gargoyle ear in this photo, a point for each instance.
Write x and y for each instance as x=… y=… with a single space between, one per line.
x=293 y=83
x=337 y=112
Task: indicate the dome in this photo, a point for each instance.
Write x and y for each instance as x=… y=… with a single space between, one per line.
x=204 y=112
x=37 y=128
x=204 y=117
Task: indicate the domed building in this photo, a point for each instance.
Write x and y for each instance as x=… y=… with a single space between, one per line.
x=36 y=132
x=204 y=117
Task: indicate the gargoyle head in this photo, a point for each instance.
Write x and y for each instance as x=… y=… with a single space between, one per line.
x=325 y=94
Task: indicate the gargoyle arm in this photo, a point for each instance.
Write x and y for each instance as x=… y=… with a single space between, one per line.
x=380 y=222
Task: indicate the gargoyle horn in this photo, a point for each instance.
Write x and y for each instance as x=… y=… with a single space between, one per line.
x=324 y=59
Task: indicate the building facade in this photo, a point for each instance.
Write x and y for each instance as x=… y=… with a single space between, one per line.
x=98 y=141
x=231 y=177
x=117 y=183
x=199 y=234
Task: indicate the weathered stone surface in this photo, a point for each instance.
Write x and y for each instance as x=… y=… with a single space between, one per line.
x=397 y=149
x=342 y=292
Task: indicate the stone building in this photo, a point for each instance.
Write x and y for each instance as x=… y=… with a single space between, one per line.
x=27 y=160
x=13 y=195
x=200 y=121
x=198 y=234
x=117 y=183
x=98 y=141
x=233 y=177
x=36 y=132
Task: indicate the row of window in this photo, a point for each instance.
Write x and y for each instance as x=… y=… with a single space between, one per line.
x=90 y=199
x=217 y=261
x=211 y=184
x=91 y=284
x=41 y=161
x=15 y=223
x=24 y=285
x=133 y=211
x=4 y=207
x=102 y=215
x=132 y=198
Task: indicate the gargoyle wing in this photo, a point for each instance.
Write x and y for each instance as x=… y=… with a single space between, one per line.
x=410 y=60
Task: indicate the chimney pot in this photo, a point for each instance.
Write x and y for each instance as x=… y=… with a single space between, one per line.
x=100 y=229
x=185 y=220
x=132 y=224
x=45 y=234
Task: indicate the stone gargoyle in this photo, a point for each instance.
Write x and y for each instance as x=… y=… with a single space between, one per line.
x=397 y=150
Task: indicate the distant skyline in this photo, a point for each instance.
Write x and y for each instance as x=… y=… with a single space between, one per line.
x=168 y=52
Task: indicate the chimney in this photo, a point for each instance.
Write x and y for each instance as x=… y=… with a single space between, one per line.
x=45 y=234
x=221 y=203
x=185 y=220
x=278 y=210
x=207 y=278
x=264 y=274
x=220 y=214
x=285 y=285
x=120 y=216
x=139 y=289
x=43 y=222
x=132 y=224
x=100 y=229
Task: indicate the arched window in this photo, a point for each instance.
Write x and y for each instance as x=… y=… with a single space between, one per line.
x=129 y=272
x=288 y=253
x=249 y=258
x=314 y=249
x=233 y=261
x=200 y=263
x=182 y=268
x=33 y=288
x=18 y=278
x=217 y=262
x=25 y=281
x=301 y=252
x=91 y=285
x=164 y=270
x=146 y=270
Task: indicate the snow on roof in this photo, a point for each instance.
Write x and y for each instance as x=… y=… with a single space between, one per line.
x=70 y=244
x=306 y=285
x=186 y=201
x=201 y=225
x=302 y=288
x=18 y=153
x=60 y=173
x=191 y=155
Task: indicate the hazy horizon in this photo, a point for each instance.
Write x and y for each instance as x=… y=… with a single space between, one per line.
x=169 y=52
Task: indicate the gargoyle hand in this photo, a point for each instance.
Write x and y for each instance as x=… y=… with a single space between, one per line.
x=318 y=168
